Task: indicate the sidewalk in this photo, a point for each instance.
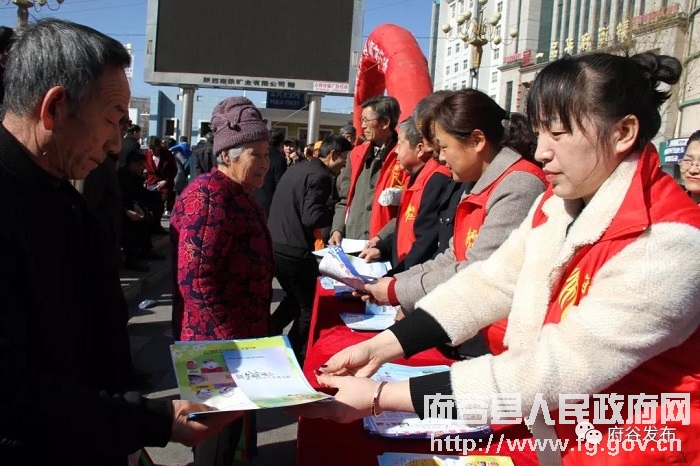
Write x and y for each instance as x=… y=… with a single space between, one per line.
x=150 y=334
x=135 y=283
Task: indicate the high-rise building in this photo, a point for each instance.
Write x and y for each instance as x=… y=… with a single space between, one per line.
x=548 y=29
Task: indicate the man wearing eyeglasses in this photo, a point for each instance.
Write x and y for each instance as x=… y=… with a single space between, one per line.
x=372 y=169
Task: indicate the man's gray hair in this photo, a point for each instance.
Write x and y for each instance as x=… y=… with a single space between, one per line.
x=54 y=52
x=233 y=154
x=410 y=132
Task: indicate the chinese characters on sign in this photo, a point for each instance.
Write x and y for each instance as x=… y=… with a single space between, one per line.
x=586 y=42
x=569 y=45
x=623 y=31
x=248 y=82
x=331 y=87
x=506 y=408
x=603 y=36
x=657 y=15
x=554 y=50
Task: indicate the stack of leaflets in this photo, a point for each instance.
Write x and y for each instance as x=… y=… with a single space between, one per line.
x=375 y=318
x=350 y=270
x=409 y=425
x=236 y=375
x=417 y=459
x=349 y=246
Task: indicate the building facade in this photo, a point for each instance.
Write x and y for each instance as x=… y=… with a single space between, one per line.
x=548 y=29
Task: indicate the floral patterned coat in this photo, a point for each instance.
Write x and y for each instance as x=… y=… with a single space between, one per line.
x=222 y=262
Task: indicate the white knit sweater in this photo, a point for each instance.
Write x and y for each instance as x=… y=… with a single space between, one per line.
x=641 y=302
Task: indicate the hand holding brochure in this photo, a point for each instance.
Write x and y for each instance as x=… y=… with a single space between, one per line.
x=409 y=425
x=236 y=375
x=350 y=270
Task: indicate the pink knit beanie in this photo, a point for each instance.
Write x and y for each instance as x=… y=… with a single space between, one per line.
x=236 y=121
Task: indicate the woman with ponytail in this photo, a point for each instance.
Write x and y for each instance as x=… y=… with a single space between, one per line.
x=599 y=284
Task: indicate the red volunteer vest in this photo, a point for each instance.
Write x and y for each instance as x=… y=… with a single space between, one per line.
x=471 y=211
x=653 y=197
x=470 y=216
x=390 y=176
x=410 y=206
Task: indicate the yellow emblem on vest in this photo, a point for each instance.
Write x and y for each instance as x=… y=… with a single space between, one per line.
x=396 y=171
x=572 y=291
x=410 y=214
x=471 y=237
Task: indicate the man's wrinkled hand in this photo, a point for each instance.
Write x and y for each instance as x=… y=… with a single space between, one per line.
x=190 y=432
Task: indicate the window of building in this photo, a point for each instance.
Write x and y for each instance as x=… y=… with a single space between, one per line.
x=456 y=67
x=509 y=95
x=465 y=64
x=471 y=5
x=493 y=97
x=204 y=128
x=457 y=47
x=464 y=84
x=499 y=7
x=449 y=51
x=460 y=6
x=452 y=10
x=497 y=53
x=454 y=86
x=447 y=70
x=170 y=127
x=494 y=77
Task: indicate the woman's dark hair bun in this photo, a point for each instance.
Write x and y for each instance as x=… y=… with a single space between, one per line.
x=663 y=68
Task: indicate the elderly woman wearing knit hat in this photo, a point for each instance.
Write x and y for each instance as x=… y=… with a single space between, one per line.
x=223 y=264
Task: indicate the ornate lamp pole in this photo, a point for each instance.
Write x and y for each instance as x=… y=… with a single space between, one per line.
x=477 y=32
x=23 y=7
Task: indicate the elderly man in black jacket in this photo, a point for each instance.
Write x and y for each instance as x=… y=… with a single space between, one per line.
x=301 y=205
x=62 y=402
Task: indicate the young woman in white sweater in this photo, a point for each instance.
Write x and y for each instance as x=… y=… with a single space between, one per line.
x=599 y=283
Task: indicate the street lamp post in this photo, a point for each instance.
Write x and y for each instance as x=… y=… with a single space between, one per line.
x=23 y=7
x=477 y=32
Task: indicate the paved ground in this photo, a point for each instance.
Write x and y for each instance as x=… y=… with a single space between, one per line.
x=150 y=339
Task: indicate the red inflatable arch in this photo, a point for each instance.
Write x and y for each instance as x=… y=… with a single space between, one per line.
x=392 y=61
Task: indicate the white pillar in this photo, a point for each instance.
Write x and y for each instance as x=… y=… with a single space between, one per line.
x=612 y=24
x=592 y=23
x=572 y=22
x=625 y=10
x=187 y=110
x=581 y=23
x=555 y=27
x=314 y=117
x=562 y=32
x=637 y=8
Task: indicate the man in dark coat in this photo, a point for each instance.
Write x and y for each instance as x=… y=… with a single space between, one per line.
x=300 y=206
x=204 y=158
x=61 y=402
x=130 y=144
x=278 y=165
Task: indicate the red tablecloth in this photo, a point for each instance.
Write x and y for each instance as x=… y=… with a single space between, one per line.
x=321 y=442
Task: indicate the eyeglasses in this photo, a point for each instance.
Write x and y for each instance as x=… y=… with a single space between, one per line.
x=687 y=163
x=367 y=120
